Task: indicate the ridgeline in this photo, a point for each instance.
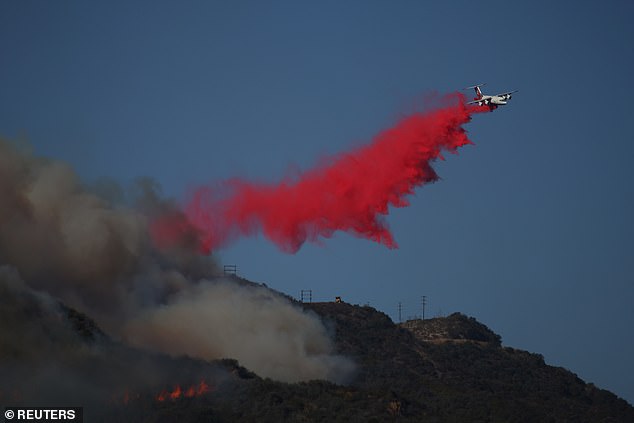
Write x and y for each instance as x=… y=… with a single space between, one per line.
x=450 y=369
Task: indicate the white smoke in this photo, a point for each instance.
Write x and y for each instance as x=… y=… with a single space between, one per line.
x=260 y=328
x=97 y=257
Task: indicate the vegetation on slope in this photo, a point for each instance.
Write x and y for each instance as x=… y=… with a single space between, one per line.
x=451 y=369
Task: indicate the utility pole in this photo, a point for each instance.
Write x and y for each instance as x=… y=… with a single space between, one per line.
x=399 y=312
x=423 y=302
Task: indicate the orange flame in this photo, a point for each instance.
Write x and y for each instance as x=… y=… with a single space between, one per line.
x=176 y=393
x=192 y=391
x=202 y=388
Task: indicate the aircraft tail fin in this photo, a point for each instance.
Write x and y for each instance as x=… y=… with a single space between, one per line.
x=477 y=90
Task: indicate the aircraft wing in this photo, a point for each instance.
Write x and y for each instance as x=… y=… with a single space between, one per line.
x=503 y=94
x=484 y=100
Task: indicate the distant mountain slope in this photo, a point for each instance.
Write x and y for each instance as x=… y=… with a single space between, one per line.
x=450 y=369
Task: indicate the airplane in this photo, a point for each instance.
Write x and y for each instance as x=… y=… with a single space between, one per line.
x=493 y=101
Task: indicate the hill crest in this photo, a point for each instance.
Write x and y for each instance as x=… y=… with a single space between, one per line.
x=456 y=327
x=437 y=370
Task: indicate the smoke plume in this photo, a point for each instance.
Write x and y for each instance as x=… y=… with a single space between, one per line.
x=351 y=192
x=64 y=240
x=92 y=250
x=50 y=354
x=261 y=323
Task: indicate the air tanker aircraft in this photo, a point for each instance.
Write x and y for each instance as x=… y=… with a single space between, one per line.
x=493 y=101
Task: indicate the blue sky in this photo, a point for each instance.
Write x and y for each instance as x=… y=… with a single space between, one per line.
x=529 y=231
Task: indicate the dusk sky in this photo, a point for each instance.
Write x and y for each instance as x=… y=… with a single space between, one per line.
x=529 y=230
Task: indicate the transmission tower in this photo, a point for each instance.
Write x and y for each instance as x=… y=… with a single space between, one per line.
x=306 y=295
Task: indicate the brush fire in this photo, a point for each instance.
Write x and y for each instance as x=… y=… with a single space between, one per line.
x=140 y=267
x=193 y=391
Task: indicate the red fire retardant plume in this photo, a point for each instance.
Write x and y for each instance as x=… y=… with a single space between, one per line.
x=351 y=192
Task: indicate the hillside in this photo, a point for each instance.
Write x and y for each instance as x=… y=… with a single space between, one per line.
x=455 y=369
x=451 y=369
x=454 y=328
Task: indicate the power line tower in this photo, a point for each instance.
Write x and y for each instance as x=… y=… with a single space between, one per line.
x=423 y=303
x=230 y=269
x=306 y=294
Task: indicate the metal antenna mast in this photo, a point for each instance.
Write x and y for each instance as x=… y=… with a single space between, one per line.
x=423 y=302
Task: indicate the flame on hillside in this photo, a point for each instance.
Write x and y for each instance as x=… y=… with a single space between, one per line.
x=192 y=391
x=174 y=394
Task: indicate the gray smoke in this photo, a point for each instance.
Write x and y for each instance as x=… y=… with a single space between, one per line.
x=94 y=253
x=50 y=354
x=266 y=333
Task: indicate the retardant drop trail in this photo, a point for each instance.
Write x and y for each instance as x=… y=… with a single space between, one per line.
x=350 y=192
